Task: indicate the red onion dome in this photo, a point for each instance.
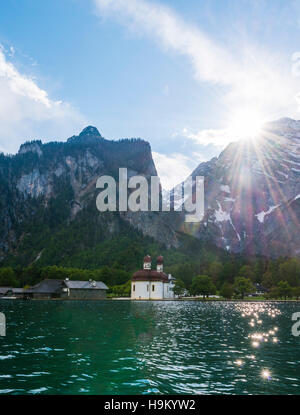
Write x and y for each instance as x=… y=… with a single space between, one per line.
x=147 y=275
x=147 y=258
x=160 y=260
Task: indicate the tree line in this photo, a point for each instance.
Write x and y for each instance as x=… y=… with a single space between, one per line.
x=278 y=278
x=29 y=276
x=232 y=278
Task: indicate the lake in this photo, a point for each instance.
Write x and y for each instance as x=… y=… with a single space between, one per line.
x=124 y=347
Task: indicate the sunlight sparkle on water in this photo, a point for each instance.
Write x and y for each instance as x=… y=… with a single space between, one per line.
x=239 y=362
x=266 y=374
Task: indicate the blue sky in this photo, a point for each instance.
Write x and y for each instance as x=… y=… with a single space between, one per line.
x=176 y=73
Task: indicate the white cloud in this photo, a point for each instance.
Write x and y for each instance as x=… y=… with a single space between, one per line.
x=247 y=75
x=173 y=169
x=217 y=137
x=172 y=32
x=26 y=109
x=21 y=85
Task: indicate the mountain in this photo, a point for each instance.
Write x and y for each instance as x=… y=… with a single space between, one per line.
x=252 y=194
x=48 y=213
x=48 y=208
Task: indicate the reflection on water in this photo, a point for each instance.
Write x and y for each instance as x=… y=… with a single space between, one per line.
x=257 y=312
x=123 y=347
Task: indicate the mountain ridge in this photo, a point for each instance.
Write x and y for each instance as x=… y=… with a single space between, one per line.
x=251 y=194
x=55 y=182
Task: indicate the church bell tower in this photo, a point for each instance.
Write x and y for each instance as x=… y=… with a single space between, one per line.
x=147 y=263
x=160 y=264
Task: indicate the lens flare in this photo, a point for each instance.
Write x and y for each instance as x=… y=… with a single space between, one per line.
x=245 y=124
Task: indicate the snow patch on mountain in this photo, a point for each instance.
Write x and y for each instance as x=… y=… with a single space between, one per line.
x=225 y=188
x=261 y=216
x=221 y=215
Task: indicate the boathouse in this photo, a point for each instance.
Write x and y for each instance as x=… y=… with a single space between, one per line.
x=67 y=289
x=46 y=289
x=84 y=290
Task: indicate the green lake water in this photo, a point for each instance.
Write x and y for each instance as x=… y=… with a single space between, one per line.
x=124 y=347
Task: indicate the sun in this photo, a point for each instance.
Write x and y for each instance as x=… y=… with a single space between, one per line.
x=245 y=124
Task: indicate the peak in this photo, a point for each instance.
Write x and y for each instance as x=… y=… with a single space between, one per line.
x=90 y=130
x=286 y=122
x=286 y=127
x=89 y=135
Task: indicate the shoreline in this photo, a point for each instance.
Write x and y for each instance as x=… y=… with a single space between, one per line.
x=154 y=300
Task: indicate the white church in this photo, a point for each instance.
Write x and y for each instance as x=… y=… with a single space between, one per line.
x=148 y=284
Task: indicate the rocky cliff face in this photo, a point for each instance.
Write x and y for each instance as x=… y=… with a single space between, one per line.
x=252 y=193
x=58 y=180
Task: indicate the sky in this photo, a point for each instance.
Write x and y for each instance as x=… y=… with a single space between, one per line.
x=187 y=76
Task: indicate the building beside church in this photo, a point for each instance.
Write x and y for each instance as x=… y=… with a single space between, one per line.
x=67 y=289
x=148 y=284
x=84 y=290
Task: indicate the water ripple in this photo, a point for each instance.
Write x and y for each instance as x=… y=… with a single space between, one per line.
x=149 y=348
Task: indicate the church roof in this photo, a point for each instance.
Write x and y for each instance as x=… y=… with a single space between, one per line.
x=149 y=275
